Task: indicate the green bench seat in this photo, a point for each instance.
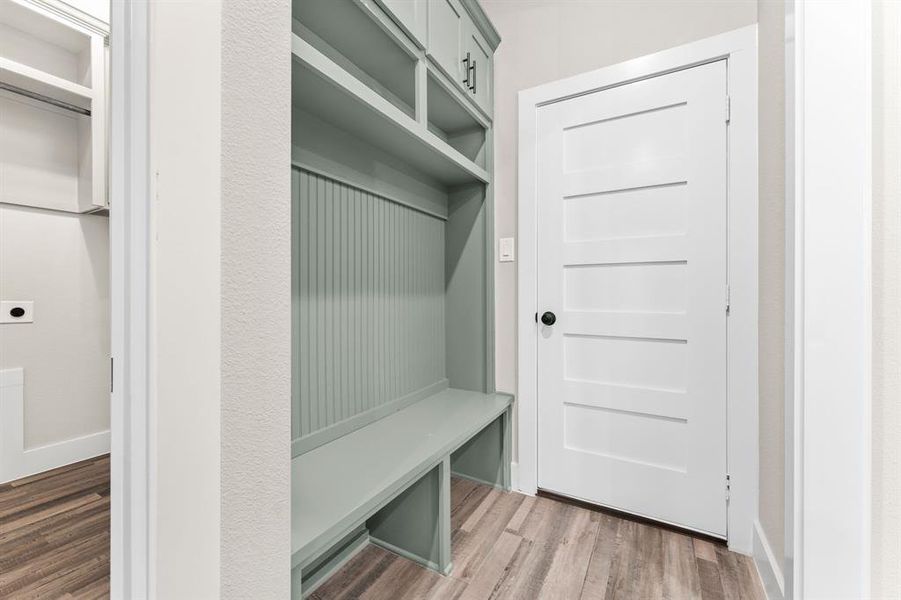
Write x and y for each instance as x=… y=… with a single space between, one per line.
x=389 y=482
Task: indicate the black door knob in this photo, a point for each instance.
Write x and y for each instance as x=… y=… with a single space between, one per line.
x=548 y=318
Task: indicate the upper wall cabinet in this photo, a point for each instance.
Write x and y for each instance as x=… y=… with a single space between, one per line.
x=456 y=46
x=479 y=77
x=411 y=15
x=446 y=34
x=53 y=99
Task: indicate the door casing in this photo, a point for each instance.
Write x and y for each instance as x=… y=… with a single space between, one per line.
x=739 y=48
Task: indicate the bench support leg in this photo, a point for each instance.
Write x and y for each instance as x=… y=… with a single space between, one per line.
x=416 y=524
x=486 y=457
x=507 y=454
x=444 y=516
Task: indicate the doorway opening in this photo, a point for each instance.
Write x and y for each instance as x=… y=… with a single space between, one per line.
x=638 y=231
x=54 y=299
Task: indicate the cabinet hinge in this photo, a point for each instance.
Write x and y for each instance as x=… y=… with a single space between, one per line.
x=728 y=488
x=728 y=299
x=728 y=109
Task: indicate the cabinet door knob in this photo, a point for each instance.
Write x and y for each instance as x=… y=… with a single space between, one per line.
x=472 y=78
x=548 y=318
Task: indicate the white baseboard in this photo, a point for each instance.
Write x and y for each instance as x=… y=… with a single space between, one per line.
x=15 y=460
x=514 y=476
x=768 y=567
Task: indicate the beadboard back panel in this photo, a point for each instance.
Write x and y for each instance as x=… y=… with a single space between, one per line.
x=369 y=307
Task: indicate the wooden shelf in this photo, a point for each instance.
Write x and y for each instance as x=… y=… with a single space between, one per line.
x=451 y=119
x=45 y=84
x=325 y=89
x=53 y=71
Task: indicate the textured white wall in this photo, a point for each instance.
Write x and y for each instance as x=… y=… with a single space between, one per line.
x=256 y=299
x=219 y=123
x=886 y=542
x=61 y=262
x=220 y=114
x=771 y=266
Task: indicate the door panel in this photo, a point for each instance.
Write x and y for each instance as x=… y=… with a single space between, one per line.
x=629 y=213
x=411 y=16
x=446 y=34
x=632 y=260
x=480 y=76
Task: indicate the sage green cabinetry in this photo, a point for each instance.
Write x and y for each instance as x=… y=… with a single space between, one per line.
x=456 y=46
x=411 y=15
x=478 y=57
x=392 y=279
x=447 y=24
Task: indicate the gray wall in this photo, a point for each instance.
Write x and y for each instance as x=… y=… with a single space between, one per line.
x=886 y=300
x=771 y=316
x=61 y=262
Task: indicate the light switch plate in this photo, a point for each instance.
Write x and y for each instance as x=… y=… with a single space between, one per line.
x=8 y=309
x=506 y=252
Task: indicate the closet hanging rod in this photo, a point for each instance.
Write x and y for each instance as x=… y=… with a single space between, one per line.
x=47 y=99
x=99 y=211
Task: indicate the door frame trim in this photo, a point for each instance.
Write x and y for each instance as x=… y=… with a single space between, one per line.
x=828 y=360
x=739 y=48
x=132 y=476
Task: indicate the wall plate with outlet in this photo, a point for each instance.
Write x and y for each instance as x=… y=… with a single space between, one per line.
x=16 y=311
x=506 y=252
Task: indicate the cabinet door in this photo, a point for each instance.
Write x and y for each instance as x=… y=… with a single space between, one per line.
x=411 y=16
x=447 y=19
x=480 y=76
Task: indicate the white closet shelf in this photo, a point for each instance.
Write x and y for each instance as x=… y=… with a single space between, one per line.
x=325 y=89
x=45 y=84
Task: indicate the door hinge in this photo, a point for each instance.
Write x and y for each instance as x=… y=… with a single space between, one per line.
x=728 y=109
x=728 y=299
x=111 y=374
x=728 y=487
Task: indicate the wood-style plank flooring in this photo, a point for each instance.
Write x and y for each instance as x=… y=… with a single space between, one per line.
x=54 y=534
x=521 y=548
x=54 y=543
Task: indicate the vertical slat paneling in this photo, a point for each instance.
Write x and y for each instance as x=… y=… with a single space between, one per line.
x=297 y=327
x=368 y=285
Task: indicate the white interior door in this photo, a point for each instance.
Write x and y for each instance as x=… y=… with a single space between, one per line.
x=632 y=262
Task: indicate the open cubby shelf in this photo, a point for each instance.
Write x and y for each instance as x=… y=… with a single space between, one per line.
x=354 y=40
x=325 y=89
x=45 y=44
x=453 y=123
x=46 y=84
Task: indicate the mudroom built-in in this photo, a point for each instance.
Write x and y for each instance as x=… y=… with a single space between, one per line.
x=393 y=382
